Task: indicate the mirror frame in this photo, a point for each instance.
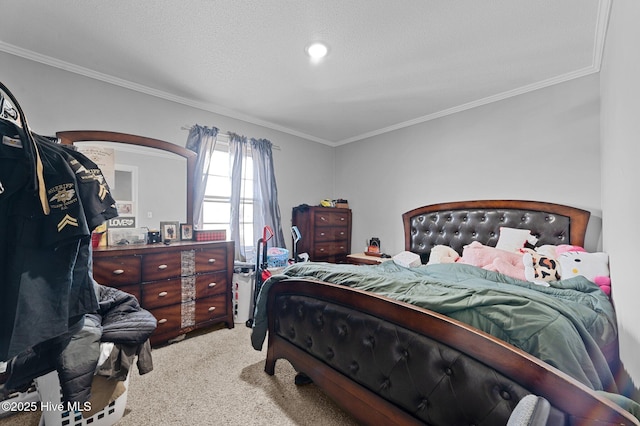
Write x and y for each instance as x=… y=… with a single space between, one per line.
x=71 y=136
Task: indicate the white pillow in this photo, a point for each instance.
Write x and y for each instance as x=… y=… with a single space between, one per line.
x=512 y=239
x=589 y=265
x=407 y=259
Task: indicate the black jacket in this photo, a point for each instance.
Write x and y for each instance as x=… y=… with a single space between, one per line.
x=120 y=319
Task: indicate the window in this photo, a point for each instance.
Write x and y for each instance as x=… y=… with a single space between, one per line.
x=216 y=210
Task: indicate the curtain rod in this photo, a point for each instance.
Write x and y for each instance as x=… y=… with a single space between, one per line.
x=187 y=127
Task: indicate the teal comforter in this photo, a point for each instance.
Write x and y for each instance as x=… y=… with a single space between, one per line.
x=565 y=325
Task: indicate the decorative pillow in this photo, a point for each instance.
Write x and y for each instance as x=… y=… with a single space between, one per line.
x=540 y=269
x=512 y=239
x=592 y=266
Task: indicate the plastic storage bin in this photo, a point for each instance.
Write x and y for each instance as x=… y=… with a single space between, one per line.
x=50 y=396
x=277 y=257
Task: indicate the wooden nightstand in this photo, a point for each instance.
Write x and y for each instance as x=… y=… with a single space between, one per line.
x=363 y=259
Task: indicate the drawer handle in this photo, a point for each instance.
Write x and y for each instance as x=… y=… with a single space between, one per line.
x=212 y=261
x=162 y=267
x=162 y=321
x=322 y=234
x=342 y=233
x=322 y=218
x=162 y=294
x=321 y=249
x=212 y=308
x=118 y=272
x=212 y=285
x=342 y=219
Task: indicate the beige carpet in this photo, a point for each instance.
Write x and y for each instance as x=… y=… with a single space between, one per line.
x=217 y=378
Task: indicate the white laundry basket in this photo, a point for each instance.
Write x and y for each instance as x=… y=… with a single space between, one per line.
x=242 y=294
x=50 y=396
x=28 y=397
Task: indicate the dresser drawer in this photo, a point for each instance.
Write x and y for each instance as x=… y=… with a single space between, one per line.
x=115 y=271
x=330 y=249
x=211 y=284
x=185 y=285
x=211 y=260
x=331 y=234
x=162 y=293
x=160 y=266
x=332 y=218
x=169 y=318
x=211 y=308
x=133 y=289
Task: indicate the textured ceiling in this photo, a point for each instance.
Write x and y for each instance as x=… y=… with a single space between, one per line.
x=392 y=63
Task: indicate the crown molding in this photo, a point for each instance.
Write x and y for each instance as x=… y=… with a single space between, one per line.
x=480 y=102
x=602 y=23
x=599 y=41
x=96 y=75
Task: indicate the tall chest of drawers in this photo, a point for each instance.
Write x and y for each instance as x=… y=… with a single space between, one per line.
x=325 y=231
x=185 y=285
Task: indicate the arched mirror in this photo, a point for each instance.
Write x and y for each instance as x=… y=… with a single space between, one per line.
x=152 y=180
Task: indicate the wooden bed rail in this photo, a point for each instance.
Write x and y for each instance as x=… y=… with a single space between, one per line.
x=580 y=404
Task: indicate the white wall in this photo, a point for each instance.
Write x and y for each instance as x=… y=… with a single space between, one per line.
x=541 y=146
x=55 y=100
x=621 y=172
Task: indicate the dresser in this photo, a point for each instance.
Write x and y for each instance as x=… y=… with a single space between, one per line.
x=325 y=232
x=185 y=285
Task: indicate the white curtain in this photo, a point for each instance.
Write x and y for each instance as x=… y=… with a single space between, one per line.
x=266 y=211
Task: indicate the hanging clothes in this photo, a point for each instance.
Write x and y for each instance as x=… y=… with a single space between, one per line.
x=51 y=198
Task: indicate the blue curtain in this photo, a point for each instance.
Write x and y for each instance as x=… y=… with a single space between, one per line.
x=202 y=141
x=266 y=211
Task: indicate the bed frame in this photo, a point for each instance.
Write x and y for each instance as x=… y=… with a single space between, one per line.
x=388 y=362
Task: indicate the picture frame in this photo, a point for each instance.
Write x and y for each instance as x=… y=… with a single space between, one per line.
x=186 y=231
x=170 y=231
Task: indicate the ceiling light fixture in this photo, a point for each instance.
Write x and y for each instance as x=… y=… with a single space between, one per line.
x=317 y=51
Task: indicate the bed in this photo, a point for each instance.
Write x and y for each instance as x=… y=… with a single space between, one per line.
x=450 y=343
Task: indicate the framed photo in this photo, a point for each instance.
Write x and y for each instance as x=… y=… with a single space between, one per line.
x=169 y=231
x=186 y=231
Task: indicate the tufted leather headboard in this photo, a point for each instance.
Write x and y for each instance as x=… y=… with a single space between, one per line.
x=457 y=224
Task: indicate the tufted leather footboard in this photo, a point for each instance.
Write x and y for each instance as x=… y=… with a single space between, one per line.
x=387 y=362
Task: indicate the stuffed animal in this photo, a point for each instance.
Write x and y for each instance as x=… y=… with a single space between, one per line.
x=493 y=259
x=592 y=266
x=442 y=254
x=540 y=269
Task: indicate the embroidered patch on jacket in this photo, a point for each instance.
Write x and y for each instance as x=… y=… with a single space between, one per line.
x=61 y=196
x=16 y=143
x=67 y=220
